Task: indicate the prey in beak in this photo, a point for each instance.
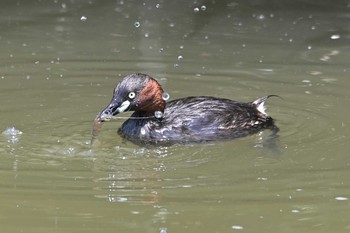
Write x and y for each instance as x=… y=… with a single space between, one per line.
x=114 y=107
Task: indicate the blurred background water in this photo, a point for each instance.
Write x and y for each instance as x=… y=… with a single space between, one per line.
x=60 y=60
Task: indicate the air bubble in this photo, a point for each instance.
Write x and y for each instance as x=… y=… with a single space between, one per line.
x=158 y=114
x=203 y=8
x=83 y=18
x=196 y=10
x=137 y=24
x=180 y=58
x=165 y=96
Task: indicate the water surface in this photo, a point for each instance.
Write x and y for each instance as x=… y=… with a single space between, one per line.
x=60 y=61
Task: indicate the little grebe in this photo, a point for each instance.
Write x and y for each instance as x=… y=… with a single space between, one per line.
x=190 y=119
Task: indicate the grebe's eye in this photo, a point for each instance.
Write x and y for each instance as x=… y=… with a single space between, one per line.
x=132 y=95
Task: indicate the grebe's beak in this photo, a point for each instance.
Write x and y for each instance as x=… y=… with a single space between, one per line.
x=114 y=107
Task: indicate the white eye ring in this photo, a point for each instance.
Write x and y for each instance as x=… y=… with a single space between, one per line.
x=132 y=95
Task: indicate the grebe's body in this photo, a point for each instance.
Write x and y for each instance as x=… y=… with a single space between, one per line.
x=189 y=119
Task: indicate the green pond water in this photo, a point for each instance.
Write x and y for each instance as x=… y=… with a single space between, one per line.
x=59 y=63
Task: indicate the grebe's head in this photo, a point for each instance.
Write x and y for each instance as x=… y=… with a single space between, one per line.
x=136 y=92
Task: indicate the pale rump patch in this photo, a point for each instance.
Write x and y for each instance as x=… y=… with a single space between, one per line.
x=260 y=104
x=261 y=108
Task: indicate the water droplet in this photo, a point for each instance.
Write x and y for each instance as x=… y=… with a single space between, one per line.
x=335 y=37
x=13 y=135
x=12 y=131
x=165 y=96
x=158 y=114
x=341 y=198
x=315 y=72
x=69 y=151
x=260 y=17
x=143 y=131
x=137 y=24
x=325 y=58
x=180 y=58
x=236 y=227
x=83 y=18
x=196 y=10
x=157 y=6
x=203 y=7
